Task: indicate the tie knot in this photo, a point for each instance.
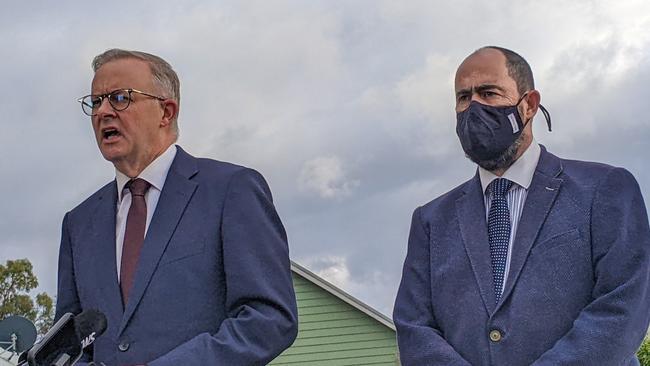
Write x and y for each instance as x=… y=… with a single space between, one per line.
x=500 y=186
x=138 y=186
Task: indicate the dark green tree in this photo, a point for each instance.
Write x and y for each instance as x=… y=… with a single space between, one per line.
x=16 y=281
x=644 y=352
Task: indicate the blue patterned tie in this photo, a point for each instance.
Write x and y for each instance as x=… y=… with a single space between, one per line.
x=499 y=231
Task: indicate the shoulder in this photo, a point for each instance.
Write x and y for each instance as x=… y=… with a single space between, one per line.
x=219 y=168
x=207 y=167
x=581 y=172
x=107 y=192
x=211 y=169
x=591 y=175
x=445 y=203
x=584 y=181
x=587 y=172
x=80 y=216
x=219 y=175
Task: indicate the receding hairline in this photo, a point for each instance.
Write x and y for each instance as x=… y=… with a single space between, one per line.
x=477 y=53
x=152 y=78
x=115 y=54
x=482 y=51
x=98 y=66
x=517 y=68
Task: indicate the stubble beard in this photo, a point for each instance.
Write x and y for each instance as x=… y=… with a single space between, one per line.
x=503 y=161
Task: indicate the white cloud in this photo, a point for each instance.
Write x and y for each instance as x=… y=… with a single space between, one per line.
x=332 y=268
x=326 y=177
x=336 y=270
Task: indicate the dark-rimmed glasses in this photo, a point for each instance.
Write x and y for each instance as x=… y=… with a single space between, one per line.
x=119 y=99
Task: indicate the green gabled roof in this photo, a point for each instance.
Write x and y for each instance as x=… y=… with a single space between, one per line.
x=336 y=328
x=342 y=295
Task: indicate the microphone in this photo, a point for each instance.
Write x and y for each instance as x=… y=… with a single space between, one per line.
x=89 y=325
x=64 y=343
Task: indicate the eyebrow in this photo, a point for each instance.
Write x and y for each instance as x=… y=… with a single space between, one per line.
x=479 y=89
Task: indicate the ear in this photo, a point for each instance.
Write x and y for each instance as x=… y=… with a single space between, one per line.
x=170 y=111
x=531 y=104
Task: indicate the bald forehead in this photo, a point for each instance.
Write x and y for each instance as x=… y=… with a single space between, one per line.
x=484 y=70
x=486 y=60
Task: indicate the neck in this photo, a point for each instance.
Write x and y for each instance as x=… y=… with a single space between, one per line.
x=132 y=169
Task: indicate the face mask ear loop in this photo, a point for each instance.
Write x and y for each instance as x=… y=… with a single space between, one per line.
x=522 y=98
x=517 y=105
x=547 y=116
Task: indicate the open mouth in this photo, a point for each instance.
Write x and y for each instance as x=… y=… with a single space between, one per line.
x=110 y=133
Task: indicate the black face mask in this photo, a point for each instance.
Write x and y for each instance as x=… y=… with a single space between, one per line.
x=486 y=132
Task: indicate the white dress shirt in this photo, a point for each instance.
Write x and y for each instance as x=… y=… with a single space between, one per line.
x=521 y=174
x=156 y=174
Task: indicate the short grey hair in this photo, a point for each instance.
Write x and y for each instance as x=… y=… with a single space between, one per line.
x=163 y=74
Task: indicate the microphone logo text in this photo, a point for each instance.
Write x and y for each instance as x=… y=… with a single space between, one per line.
x=88 y=340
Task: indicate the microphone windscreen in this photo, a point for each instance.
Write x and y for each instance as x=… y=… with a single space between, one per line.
x=90 y=321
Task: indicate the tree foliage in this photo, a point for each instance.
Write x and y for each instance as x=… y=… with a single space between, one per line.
x=644 y=352
x=16 y=281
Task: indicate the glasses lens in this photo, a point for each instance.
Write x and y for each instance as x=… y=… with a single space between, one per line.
x=89 y=103
x=119 y=99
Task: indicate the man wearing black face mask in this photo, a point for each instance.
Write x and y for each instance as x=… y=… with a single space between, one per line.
x=536 y=260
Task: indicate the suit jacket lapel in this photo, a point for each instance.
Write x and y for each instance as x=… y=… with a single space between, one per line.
x=470 y=210
x=173 y=200
x=541 y=195
x=104 y=260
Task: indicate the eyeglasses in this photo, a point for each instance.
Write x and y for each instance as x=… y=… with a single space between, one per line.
x=119 y=99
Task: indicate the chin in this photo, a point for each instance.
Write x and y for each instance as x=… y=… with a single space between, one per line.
x=492 y=165
x=111 y=154
x=503 y=161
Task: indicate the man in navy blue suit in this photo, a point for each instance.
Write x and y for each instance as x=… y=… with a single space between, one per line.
x=186 y=256
x=536 y=260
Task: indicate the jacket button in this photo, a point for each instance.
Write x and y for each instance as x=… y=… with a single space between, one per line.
x=495 y=335
x=123 y=347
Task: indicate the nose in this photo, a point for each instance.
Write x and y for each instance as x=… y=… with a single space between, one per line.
x=105 y=109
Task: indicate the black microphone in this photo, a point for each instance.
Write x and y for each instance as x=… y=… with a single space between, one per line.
x=89 y=325
x=64 y=343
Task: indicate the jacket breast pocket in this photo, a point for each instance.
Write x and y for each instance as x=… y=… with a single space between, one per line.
x=177 y=251
x=567 y=238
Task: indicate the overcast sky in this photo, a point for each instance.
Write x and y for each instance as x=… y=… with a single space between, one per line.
x=346 y=107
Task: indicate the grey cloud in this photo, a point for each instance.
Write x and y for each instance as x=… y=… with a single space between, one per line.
x=280 y=85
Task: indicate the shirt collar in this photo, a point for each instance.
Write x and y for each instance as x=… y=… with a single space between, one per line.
x=155 y=173
x=521 y=172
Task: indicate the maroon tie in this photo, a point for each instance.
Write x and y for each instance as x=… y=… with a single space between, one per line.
x=133 y=235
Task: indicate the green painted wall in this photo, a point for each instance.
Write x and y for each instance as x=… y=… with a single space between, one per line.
x=334 y=333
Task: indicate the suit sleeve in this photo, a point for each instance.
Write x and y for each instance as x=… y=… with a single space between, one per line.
x=67 y=300
x=609 y=330
x=260 y=301
x=420 y=342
